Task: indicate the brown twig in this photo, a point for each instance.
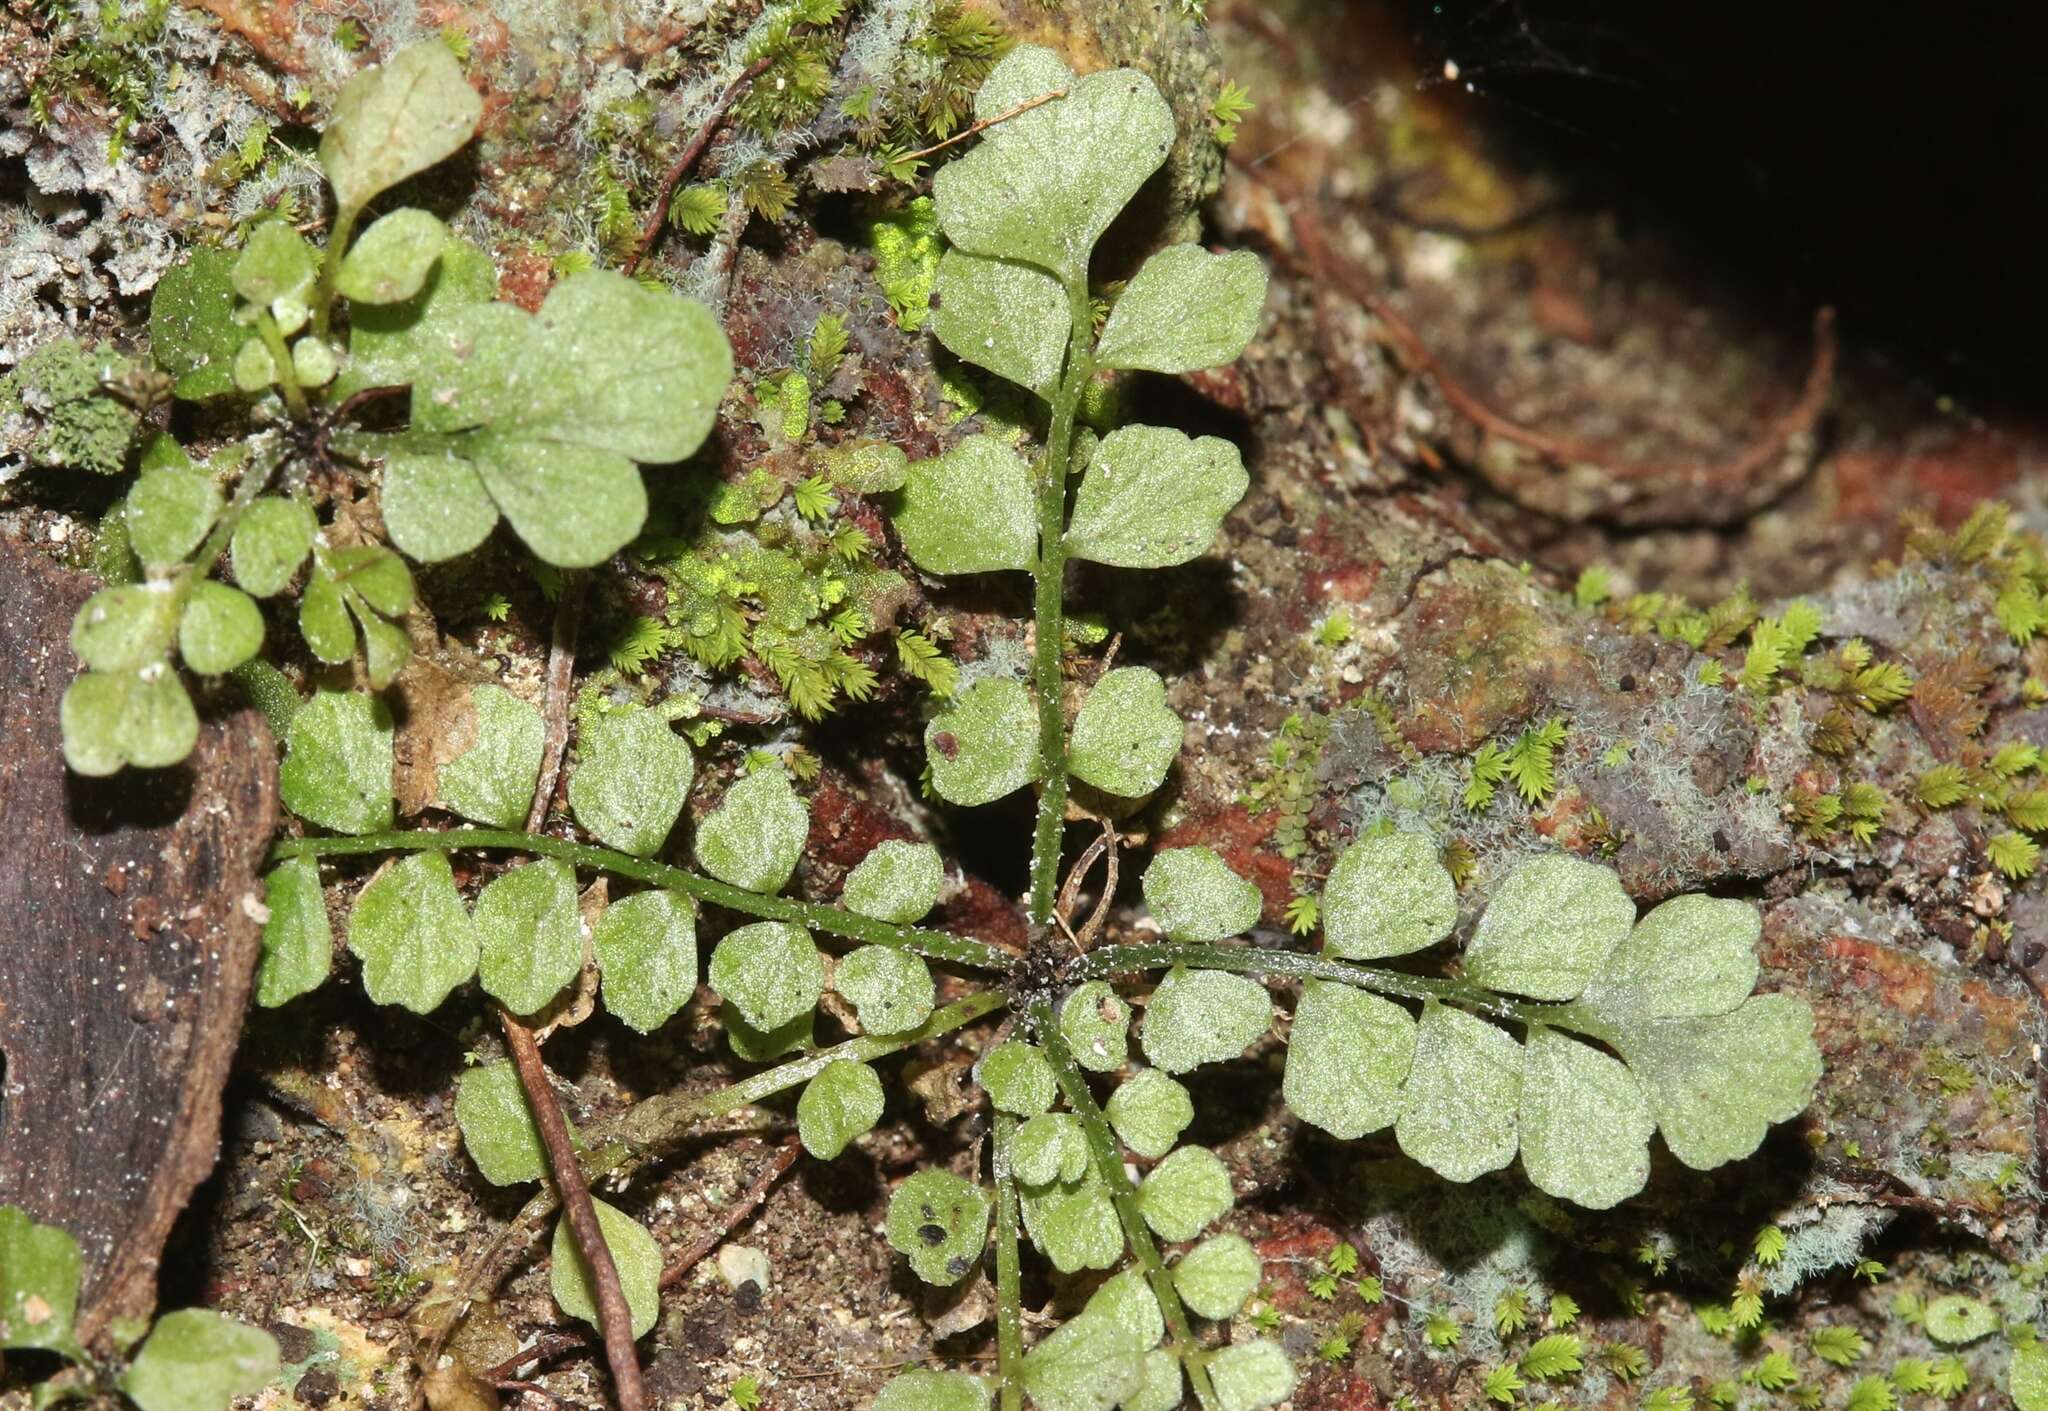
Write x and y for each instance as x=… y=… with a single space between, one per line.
x=680 y=168
x=1093 y=927
x=553 y=1345
x=561 y=674
x=784 y=1158
x=615 y=1319
x=984 y=125
x=1325 y=263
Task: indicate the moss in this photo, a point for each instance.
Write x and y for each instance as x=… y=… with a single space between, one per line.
x=56 y=410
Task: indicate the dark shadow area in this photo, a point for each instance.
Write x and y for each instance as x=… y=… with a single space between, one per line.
x=1877 y=158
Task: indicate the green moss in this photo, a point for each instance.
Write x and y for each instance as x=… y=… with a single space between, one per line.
x=56 y=411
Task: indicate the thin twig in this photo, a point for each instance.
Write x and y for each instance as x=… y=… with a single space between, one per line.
x=553 y=1345
x=784 y=1158
x=561 y=676
x=614 y=1317
x=680 y=168
x=1094 y=925
x=984 y=125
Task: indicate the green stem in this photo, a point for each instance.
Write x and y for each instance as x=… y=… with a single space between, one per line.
x=196 y=569
x=1009 y=1301
x=1109 y=1167
x=939 y=945
x=287 y=376
x=1293 y=965
x=1048 y=610
x=330 y=268
x=660 y=1120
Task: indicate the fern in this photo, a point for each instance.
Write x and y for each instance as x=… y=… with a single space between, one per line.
x=1502 y=1383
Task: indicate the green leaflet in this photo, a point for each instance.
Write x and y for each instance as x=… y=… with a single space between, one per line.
x=1691 y=956
x=1152 y=497
x=39 y=1273
x=277 y=269
x=2027 y=1382
x=1249 y=1376
x=389 y=343
x=413 y=934
x=142 y=718
x=1216 y=1277
x=270 y=543
x=1017 y=1078
x=1185 y=1193
x=1096 y=1023
x=169 y=509
x=922 y=1390
x=1347 y=1057
x=395 y=120
x=1008 y=317
x=897 y=882
x=1387 y=895
x=298 y=943
x=1954 y=1319
x=646 y=947
x=1149 y=1112
x=1194 y=896
x=391 y=261
x=370 y=584
x=492 y=782
x=756 y=834
x=1048 y=1148
x=1043 y=185
x=1461 y=1110
x=1549 y=928
x=891 y=989
x=985 y=745
x=1124 y=738
x=843 y=1101
x=1184 y=310
x=1203 y=1016
x=498 y=1129
x=198 y=1360
x=125 y=629
x=529 y=935
x=771 y=971
x=631 y=777
x=939 y=1222
x=634 y=1253
x=220 y=630
x=1074 y=1224
x=970 y=510
x=337 y=763
x=1716 y=1083
x=554 y=408
x=866 y=467
x=1585 y=1124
